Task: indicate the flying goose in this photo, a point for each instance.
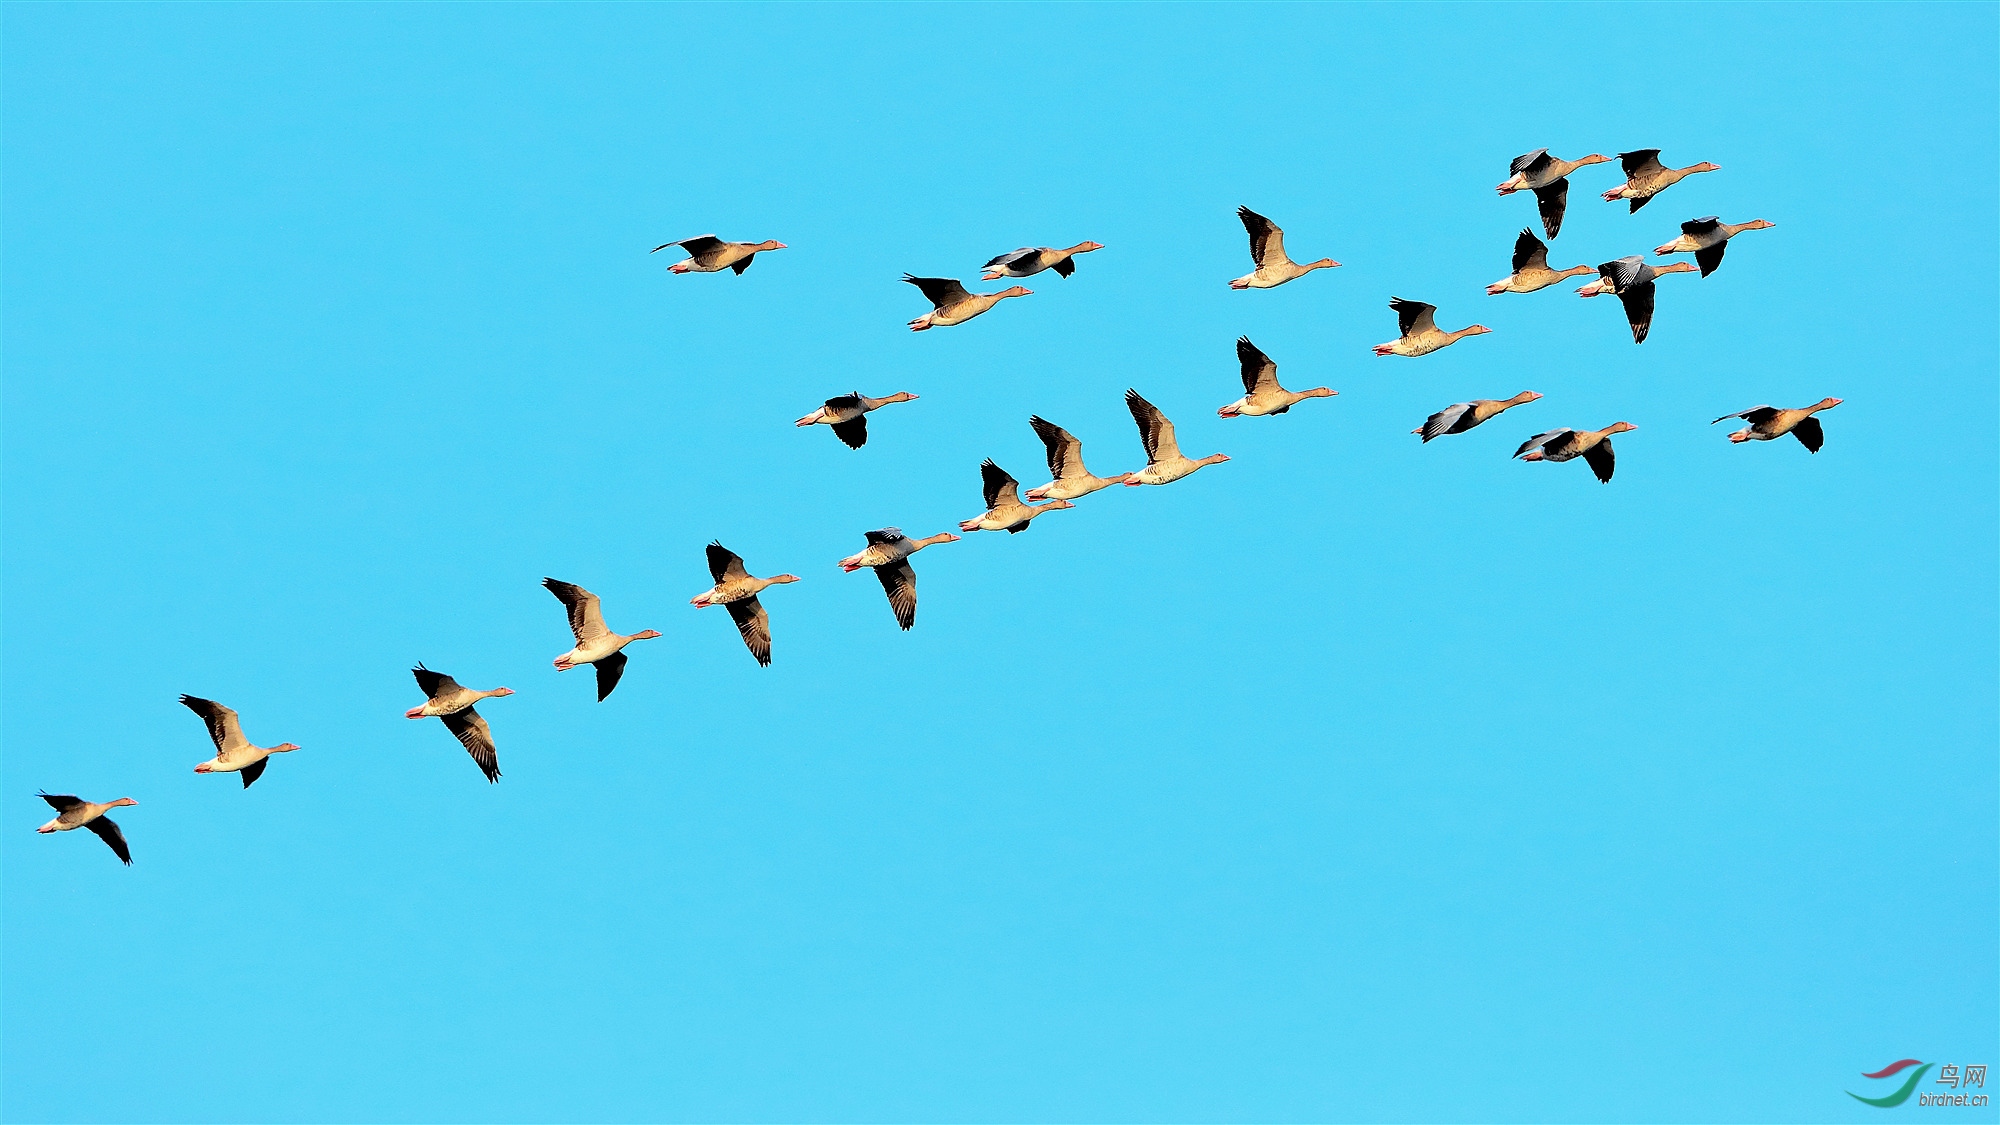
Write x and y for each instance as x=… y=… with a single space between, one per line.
x=736 y=589
x=888 y=552
x=1707 y=237
x=1630 y=279
x=1261 y=393
x=1004 y=510
x=1031 y=260
x=1547 y=177
x=709 y=254
x=1267 y=250
x=1531 y=268
x=1768 y=422
x=1164 y=462
x=1420 y=334
x=847 y=414
x=73 y=813
x=453 y=704
x=233 y=752
x=954 y=304
x=596 y=644
x=1069 y=479
x=1462 y=416
x=1645 y=177
x=1594 y=446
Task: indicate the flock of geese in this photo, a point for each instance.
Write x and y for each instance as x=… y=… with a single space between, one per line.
x=888 y=551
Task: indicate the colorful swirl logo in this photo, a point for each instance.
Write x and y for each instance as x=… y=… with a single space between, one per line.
x=1890 y=1101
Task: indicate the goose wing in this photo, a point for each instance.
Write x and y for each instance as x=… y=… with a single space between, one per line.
x=854 y=431
x=1601 y=460
x=1154 y=430
x=1447 y=421
x=222 y=725
x=609 y=670
x=107 y=831
x=436 y=685
x=1000 y=486
x=1413 y=317
x=724 y=564
x=1756 y=415
x=1065 y=451
x=586 y=617
x=700 y=246
x=1810 y=435
x=899 y=581
x=1702 y=227
x=470 y=728
x=1529 y=162
x=1012 y=256
x=1641 y=162
x=1259 y=373
x=1064 y=267
x=943 y=292
x=884 y=537
x=1530 y=251
x=253 y=771
x=61 y=802
x=1709 y=258
x=1551 y=199
x=1267 y=242
x=1545 y=439
x=1638 y=302
x=755 y=625
x=1622 y=272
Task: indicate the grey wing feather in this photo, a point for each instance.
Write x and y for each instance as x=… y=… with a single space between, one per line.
x=609 y=670
x=943 y=292
x=899 y=581
x=1601 y=460
x=472 y=732
x=1012 y=256
x=1259 y=373
x=724 y=563
x=253 y=771
x=854 y=431
x=1261 y=231
x=1810 y=434
x=1753 y=415
x=755 y=626
x=1551 y=199
x=1529 y=250
x=1061 y=446
x=61 y=802
x=1446 y=421
x=884 y=536
x=999 y=486
x=435 y=684
x=1640 y=161
x=1413 y=316
x=1542 y=439
x=107 y=831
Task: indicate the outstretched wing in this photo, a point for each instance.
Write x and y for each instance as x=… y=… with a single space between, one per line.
x=1622 y=272
x=755 y=625
x=107 y=831
x=61 y=802
x=1447 y=421
x=1000 y=485
x=437 y=685
x=470 y=728
x=1641 y=162
x=1703 y=226
x=743 y=263
x=900 y=583
x=1528 y=162
x=586 y=617
x=1259 y=373
x=1810 y=435
x=1064 y=267
x=1540 y=440
x=1530 y=251
x=854 y=431
x=1756 y=415
x=696 y=247
x=1011 y=257
x=253 y=771
x=1267 y=242
x=1065 y=452
x=608 y=671
x=943 y=292
x=884 y=537
x=1638 y=302
x=1601 y=460
x=1413 y=316
x=724 y=564
x=1155 y=432
x=1710 y=257
x=222 y=725
x=1550 y=199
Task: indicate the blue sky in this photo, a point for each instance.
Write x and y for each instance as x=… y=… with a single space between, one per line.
x=1353 y=779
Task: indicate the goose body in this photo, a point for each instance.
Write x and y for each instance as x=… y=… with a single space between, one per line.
x=1594 y=446
x=233 y=752
x=1547 y=177
x=1646 y=177
x=736 y=590
x=1267 y=253
x=1707 y=237
x=1462 y=416
x=888 y=554
x=1165 y=463
x=847 y=414
x=709 y=254
x=1768 y=423
x=1261 y=393
x=1531 y=268
x=1004 y=509
x=596 y=644
x=73 y=813
x=1630 y=279
x=1031 y=260
x=1420 y=333
x=447 y=700
x=1068 y=477
x=953 y=304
